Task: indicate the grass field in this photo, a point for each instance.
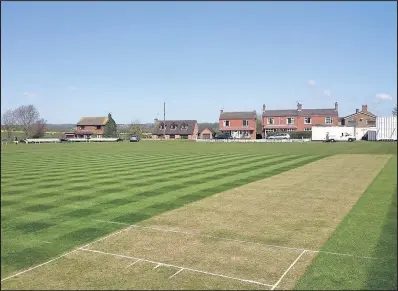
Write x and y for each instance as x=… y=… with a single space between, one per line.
x=205 y=215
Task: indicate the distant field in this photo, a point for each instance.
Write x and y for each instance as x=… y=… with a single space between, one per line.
x=61 y=196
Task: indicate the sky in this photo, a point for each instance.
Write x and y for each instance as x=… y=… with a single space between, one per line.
x=74 y=59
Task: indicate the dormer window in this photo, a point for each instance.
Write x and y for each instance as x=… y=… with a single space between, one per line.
x=173 y=126
x=81 y=126
x=162 y=126
x=184 y=126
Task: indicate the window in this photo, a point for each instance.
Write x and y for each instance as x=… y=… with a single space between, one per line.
x=307 y=120
x=98 y=126
x=245 y=122
x=271 y=120
x=173 y=126
x=289 y=129
x=81 y=126
x=184 y=126
x=307 y=129
x=226 y=123
x=328 y=120
x=371 y=122
x=290 y=120
x=269 y=130
x=162 y=126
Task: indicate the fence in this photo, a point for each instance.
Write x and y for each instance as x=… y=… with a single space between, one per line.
x=254 y=140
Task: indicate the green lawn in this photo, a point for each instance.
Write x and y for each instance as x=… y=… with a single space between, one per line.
x=53 y=193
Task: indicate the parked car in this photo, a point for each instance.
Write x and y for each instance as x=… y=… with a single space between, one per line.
x=280 y=136
x=343 y=137
x=223 y=136
x=134 y=138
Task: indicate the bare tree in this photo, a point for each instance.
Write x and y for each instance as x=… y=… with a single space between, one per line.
x=37 y=129
x=8 y=122
x=136 y=129
x=26 y=116
x=394 y=111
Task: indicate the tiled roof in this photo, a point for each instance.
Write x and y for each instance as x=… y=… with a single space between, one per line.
x=238 y=115
x=208 y=128
x=178 y=131
x=303 y=112
x=93 y=121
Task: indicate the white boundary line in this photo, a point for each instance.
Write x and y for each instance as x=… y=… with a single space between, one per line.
x=59 y=257
x=182 y=269
x=236 y=240
x=179 y=267
x=134 y=263
x=288 y=269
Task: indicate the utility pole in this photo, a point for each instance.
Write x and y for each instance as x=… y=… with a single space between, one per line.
x=164 y=120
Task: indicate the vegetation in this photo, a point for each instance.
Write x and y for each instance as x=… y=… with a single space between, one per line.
x=26 y=118
x=136 y=129
x=110 y=129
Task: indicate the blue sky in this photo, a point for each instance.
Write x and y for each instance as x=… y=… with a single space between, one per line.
x=74 y=59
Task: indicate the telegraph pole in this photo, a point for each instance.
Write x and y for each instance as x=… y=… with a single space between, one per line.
x=164 y=120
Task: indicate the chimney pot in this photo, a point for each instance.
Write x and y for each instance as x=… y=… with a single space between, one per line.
x=336 y=106
x=264 y=107
x=221 y=111
x=299 y=106
x=364 y=108
x=356 y=110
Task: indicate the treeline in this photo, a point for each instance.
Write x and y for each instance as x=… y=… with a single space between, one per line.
x=25 y=118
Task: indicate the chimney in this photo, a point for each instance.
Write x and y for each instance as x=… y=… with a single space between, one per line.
x=356 y=110
x=365 y=108
x=264 y=107
x=299 y=106
x=336 y=106
x=155 y=120
x=221 y=111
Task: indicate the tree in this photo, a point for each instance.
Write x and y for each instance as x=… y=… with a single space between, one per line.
x=25 y=117
x=38 y=129
x=110 y=129
x=8 y=122
x=136 y=129
x=394 y=111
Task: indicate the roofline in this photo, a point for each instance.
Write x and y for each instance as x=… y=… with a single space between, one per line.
x=237 y=118
x=361 y=112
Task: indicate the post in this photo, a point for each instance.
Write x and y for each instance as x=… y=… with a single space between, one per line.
x=164 y=120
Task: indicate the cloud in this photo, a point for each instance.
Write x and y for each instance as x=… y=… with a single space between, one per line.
x=30 y=94
x=383 y=96
x=311 y=83
x=327 y=92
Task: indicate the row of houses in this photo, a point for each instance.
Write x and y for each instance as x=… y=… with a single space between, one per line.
x=240 y=124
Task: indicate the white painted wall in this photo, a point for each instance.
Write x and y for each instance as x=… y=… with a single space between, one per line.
x=386 y=128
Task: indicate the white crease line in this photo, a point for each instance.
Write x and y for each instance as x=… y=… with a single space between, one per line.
x=157 y=266
x=288 y=269
x=52 y=260
x=179 y=267
x=32 y=268
x=47 y=242
x=237 y=240
x=182 y=269
x=133 y=263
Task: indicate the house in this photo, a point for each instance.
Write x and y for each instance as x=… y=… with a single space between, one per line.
x=175 y=129
x=238 y=124
x=88 y=127
x=363 y=118
x=298 y=119
x=207 y=133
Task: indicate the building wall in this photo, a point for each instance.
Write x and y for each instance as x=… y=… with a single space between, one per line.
x=237 y=124
x=206 y=131
x=299 y=121
x=361 y=119
x=92 y=128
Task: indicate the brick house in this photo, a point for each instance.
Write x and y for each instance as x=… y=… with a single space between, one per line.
x=238 y=124
x=363 y=118
x=298 y=119
x=207 y=133
x=175 y=129
x=90 y=127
